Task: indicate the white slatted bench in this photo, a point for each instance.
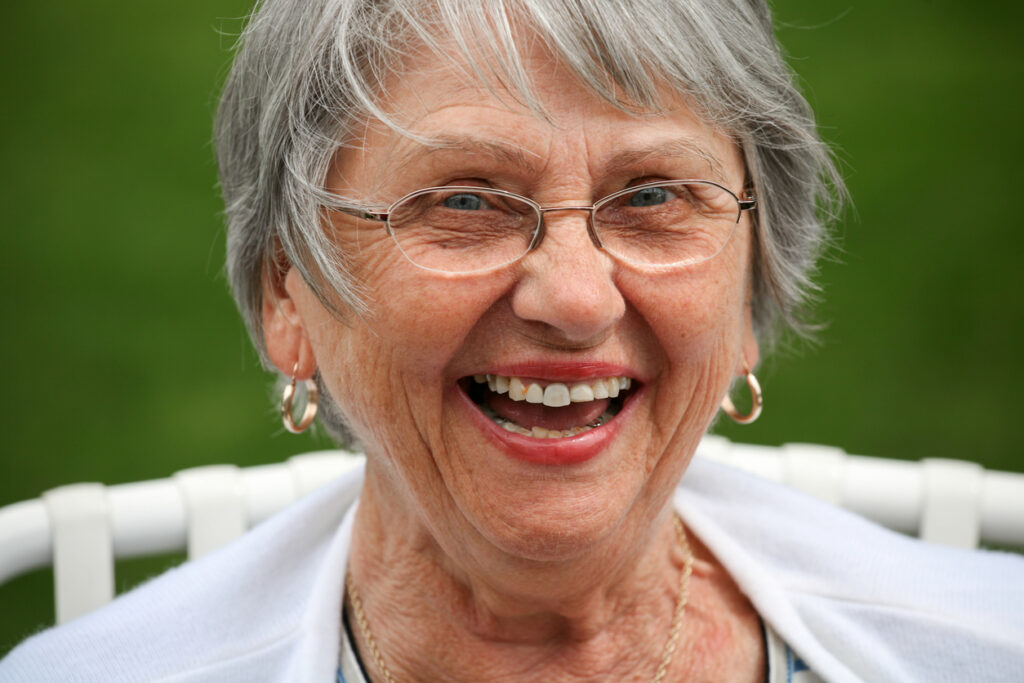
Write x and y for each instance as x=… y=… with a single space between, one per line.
x=80 y=529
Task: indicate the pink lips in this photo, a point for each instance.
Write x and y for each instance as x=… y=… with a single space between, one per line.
x=568 y=450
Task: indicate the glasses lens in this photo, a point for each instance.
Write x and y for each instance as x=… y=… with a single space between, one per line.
x=670 y=223
x=462 y=229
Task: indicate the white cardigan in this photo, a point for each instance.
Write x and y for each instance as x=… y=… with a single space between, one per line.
x=856 y=601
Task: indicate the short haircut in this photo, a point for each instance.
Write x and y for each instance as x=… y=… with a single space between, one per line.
x=309 y=72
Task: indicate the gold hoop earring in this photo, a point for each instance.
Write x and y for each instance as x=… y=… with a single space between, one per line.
x=757 y=401
x=312 y=394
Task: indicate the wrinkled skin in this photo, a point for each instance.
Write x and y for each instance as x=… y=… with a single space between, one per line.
x=532 y=570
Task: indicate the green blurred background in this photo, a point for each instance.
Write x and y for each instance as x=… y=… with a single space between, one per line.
x=126 y=359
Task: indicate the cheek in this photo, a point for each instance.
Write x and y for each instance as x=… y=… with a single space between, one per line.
x=698 y=320
x=696 y=316
x=395 y=357
x=424 y=319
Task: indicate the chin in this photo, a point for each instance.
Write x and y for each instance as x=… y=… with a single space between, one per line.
x=548 y=499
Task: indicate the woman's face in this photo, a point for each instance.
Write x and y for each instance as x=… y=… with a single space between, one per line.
x=567 y=314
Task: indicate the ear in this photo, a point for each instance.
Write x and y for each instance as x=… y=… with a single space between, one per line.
x=284 y=330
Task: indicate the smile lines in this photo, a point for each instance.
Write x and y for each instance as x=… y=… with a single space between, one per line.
x=556 y=394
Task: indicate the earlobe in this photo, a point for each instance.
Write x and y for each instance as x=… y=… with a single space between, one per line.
x=284 y=330
x=751 y=353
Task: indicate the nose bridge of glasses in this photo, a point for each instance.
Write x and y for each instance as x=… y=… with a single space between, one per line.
x=589 y=208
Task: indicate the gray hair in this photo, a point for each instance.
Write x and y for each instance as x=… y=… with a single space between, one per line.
x=307 y=72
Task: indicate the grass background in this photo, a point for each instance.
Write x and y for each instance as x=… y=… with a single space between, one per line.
x=126 y=359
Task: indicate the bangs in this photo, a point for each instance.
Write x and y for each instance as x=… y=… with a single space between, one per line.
x=628 y=54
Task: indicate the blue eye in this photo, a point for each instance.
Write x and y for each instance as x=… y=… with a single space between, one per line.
x=465 y=202
x=650 y=196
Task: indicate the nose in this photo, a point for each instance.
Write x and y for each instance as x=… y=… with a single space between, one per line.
x=566 y=283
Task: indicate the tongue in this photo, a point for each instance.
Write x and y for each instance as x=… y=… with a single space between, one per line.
x=539 y=415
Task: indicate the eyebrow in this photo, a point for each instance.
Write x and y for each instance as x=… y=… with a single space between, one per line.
x=501 y=151
x=675 y=148
x=510 y=153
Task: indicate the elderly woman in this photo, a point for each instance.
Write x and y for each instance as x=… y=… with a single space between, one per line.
x=520 y=250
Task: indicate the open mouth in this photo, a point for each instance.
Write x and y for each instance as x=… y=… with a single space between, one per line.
x=547 y=410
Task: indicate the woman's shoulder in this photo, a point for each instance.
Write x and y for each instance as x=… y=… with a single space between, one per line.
x=248 y=608
x=856 y=600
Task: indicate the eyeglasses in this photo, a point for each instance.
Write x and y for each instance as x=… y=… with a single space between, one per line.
x=465 y=229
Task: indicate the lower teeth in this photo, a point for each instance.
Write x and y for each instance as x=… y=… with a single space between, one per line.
x=541 y=432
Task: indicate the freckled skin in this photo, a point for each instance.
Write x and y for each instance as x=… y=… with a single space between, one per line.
x=553 y=573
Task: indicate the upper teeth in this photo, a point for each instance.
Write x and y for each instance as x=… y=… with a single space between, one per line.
x=555 y=394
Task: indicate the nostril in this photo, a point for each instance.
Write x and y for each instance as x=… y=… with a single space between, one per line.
x=569 y=285
x=574 y=310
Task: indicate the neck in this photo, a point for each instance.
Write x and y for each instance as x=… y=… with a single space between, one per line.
x=605 y=610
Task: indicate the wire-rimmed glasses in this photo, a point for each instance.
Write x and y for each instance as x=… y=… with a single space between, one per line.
x=467 y=229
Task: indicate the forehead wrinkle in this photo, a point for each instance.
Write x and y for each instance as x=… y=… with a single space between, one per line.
x=682 y=148
x=498 y=150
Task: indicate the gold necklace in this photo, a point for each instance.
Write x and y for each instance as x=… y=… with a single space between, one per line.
x=670 y=644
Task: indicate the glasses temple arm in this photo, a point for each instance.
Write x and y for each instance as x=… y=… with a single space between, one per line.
x=379 y=216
